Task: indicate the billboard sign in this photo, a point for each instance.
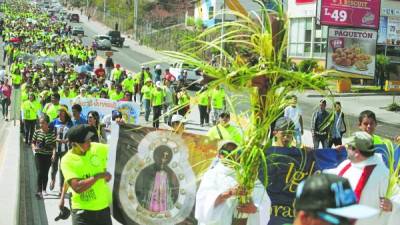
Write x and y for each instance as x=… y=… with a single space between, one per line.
x=344 y=13
x=352 y=50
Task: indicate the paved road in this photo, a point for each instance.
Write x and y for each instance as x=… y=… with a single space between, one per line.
x=130 y=59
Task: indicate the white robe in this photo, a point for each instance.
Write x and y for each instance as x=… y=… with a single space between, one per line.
x=375 y=188
x=218 y=180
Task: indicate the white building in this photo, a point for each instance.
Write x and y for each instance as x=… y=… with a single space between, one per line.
x=306 y=38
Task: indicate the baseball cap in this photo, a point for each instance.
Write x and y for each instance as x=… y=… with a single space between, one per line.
x=224 y=115
x=332 y=197
x=64 y=214
x=284 y=124
x=80 y=133
x=223 y=143
x=177 y=118
x=362 y=141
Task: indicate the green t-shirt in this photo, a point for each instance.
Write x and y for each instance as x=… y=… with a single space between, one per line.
x=29 y=110
x=51 y=110
x=203 y=98
x=116 y=97
x=127 y=84
x=377 y=140
x=116 y=74
x=218 y=98
x=93 y=162
x=157 y=97
x=146 y=91
x=228 y=133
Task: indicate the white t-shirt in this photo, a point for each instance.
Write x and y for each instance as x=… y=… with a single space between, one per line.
x=293 y=113
x=2 y=74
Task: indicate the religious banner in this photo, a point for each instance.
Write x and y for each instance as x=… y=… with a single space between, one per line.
x=352 y=51
x=351 y=13
x=287 y=167
x=130 y=111
x=156 y=175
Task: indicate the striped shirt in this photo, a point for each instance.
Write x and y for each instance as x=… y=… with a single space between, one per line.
x=46 y=142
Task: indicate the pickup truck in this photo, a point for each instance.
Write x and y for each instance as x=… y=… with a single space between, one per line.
x=192 y=76
x=116 y=38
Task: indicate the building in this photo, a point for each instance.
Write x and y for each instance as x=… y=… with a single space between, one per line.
x=209 y=11
x=308 y=39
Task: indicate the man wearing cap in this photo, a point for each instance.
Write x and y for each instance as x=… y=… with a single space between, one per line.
x=224 y=130
x=146 y=92
x=326 y=199
x=368 y=176
x=178 y=123
x=84 y=169
x=320 y=125
x=157 y=101
x=217 y=196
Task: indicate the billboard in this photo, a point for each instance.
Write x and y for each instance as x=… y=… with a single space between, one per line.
x=352 y=50
x=344 y=13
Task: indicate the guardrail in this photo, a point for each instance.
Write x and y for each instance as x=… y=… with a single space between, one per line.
x=9 y=173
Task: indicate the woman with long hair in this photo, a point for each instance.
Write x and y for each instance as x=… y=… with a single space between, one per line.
x=5 y=92
x=60 y=127
x=93 y=119
x=43 y=146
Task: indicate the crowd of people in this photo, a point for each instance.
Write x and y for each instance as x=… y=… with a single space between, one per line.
x=46 y=63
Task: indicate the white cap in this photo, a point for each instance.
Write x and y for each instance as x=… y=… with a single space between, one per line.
x=158 y=67
x=177 y=118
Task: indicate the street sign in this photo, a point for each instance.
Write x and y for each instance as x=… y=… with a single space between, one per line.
x=345 y=13
x=352 y=50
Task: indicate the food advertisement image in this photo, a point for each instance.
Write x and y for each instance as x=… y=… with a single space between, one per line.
x=352 y=51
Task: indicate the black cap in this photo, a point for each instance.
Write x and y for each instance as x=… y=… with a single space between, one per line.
x=80 y=133
x=283 y=124
x=64 y=214
x=224 y=115
x=330 y=194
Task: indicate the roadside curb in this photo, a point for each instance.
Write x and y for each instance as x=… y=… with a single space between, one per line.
x=10 y=176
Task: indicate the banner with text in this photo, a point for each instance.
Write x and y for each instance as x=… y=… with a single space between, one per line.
x=130 y=111
x=344 y=13
x=352 y=50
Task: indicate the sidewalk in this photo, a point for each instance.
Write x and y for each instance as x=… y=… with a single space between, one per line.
x=354 y=104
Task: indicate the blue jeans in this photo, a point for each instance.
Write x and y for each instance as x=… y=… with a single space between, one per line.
x=297 y=137
x=147 y=109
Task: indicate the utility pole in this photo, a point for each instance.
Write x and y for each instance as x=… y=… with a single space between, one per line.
x=135 y=19
x=221 y=57
x=104 y=11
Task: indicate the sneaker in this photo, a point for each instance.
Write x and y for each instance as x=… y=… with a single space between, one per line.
x=45 y=193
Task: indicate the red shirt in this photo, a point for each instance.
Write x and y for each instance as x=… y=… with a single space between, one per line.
x=6 y=90
x=100 y=72
x=170 y=77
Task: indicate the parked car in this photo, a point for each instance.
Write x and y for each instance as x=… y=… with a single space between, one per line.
x=103 y=42
x=74 y=18
x=190 y=75
x=116 y=38
x=78 y=30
